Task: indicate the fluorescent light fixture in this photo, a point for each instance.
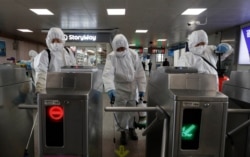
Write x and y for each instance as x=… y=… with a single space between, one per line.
x=161 y=39
x=193 y=11
x=25 y=30
x=228 y=40
x=131 y=44
x=116 y=11
x=141 y=31
x=42 y=11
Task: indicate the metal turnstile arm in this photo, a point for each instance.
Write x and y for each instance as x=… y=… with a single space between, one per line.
x=130 y=109
x=144 y=133
x=28 y=106
x=141 y=109
x=241 y=126
x=164 y=138
x=238 y=110
x=162 y=114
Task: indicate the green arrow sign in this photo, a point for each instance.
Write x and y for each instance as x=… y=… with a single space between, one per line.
x=188 y=131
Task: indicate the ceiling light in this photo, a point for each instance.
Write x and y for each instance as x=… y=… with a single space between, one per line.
x=42 y=11
x=141 y=31
x=228 y=40
x=25 y=30
x=193 y=11
x=116 y=11
x=162 y=40
x=131 y=45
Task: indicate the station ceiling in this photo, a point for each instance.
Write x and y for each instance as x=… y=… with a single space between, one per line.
x=162 y=18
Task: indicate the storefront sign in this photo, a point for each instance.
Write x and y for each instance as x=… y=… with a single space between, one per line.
x=87 y=37
x=82 y=37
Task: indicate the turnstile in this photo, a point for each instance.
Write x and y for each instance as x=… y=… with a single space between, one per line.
x=238 y=130
x=15 y=124
x=70 y=114
x=197 y=113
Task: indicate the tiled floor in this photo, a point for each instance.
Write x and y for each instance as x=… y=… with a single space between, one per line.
x=133 y=148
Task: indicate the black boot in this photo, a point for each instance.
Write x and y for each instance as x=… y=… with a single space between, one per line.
x=123 y=139
x=133 y=134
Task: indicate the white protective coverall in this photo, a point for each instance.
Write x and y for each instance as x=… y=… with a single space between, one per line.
x=123 y=72
x=193 y=58
x=59 y=58
x=32 y=55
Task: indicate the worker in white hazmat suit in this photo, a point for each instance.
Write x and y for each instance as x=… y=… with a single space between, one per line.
x=53 y=58
x=123 y=75
x=32 y=55
x=202 y=56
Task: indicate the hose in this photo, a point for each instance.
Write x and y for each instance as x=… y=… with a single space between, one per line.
x=26 y=154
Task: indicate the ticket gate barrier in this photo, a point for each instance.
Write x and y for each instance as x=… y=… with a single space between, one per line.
x=238 y=121
x=15 y=124
x=70 y=115
x=197 y=114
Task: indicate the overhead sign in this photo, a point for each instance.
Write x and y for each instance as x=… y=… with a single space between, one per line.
x=88 y=37
x=80 y=37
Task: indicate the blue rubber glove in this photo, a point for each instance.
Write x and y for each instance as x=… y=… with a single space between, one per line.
x=28 y=66
x=141 y=94
x=111 y=93
x=222 y=48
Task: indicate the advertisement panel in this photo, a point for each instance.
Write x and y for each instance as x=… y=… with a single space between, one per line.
x=244 y=46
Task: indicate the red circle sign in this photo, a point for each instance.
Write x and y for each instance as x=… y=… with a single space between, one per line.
x=56 y=113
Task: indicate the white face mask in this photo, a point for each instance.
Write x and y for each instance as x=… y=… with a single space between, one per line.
x=57 y=46
x=198 y=50
x=120 y=53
